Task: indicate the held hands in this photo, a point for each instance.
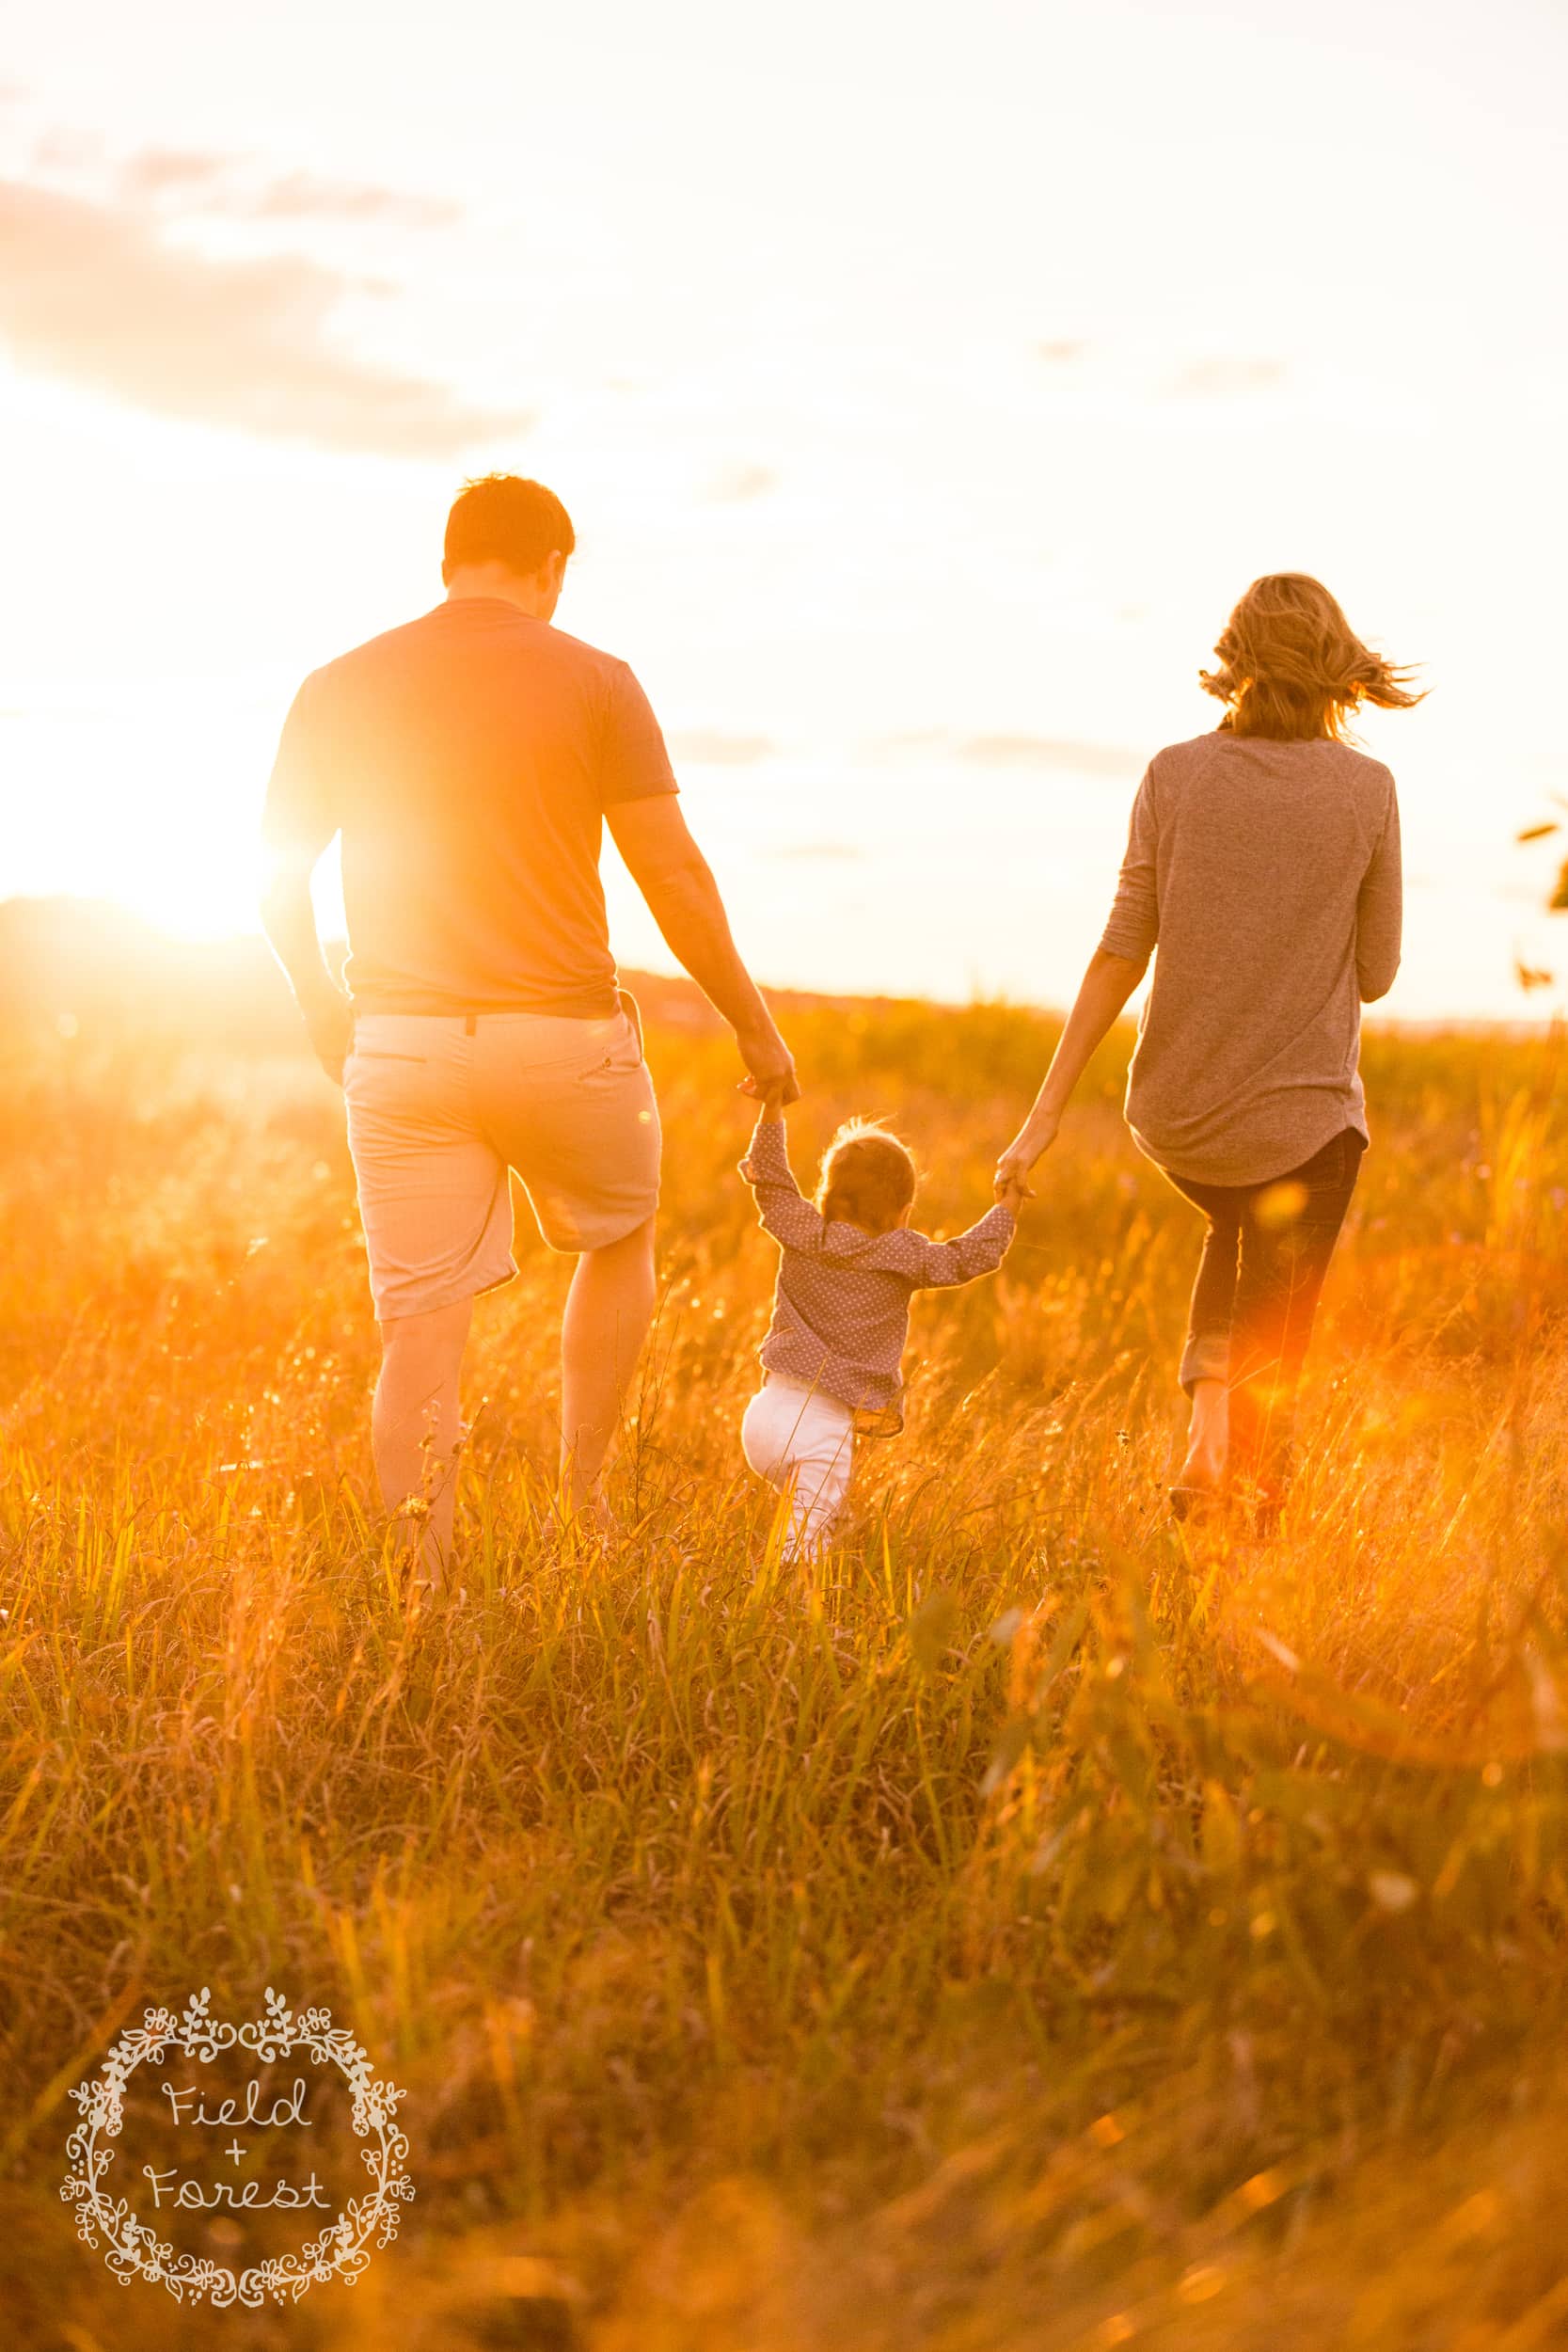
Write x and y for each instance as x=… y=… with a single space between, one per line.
x=1033 y=1139
x=769 y=1078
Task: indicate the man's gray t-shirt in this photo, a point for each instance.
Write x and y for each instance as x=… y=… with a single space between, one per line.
x=1266 y=876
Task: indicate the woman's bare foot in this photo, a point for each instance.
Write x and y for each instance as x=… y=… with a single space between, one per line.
x=1207 y=1439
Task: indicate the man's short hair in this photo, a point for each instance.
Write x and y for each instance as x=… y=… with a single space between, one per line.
x=503 y=519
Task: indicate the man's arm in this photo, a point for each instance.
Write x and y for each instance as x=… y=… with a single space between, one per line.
x=298 y=822
x=289 y=919
x=683 y=898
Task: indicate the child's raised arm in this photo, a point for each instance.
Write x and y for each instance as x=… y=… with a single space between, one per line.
x=782 y=1212
x=944 y=1265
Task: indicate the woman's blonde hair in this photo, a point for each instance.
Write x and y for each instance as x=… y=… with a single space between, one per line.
x=1291 y=666
x=868 y=1176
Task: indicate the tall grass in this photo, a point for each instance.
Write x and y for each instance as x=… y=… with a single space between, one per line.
x=1032 y=1926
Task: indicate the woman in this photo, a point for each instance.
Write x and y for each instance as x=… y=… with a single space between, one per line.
x=1263 y=861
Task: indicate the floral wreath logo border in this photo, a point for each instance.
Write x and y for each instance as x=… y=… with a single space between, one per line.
x=341 y=2251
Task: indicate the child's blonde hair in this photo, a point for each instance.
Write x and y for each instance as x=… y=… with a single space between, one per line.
x=868 y=1176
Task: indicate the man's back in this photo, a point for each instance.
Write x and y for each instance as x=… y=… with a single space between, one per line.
x=468 y=760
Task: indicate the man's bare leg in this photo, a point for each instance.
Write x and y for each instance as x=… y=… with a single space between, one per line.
x=609 y=1309
x=415 y=1423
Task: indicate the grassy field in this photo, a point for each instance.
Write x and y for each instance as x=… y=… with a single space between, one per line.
x=1036 y=1927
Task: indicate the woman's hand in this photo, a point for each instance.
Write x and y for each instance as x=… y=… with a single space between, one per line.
x=1035 y=1137
x=1104 y=990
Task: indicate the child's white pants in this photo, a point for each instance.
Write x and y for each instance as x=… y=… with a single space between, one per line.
x=804 y=1442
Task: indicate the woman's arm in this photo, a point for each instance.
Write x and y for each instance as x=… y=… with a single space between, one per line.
x=1117 y=965
x=1103 y=992
x=1379 y=913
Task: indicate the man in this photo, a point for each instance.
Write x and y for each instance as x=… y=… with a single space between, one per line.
x=469 y=760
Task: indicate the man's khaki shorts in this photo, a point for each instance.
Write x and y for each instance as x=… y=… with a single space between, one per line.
x=440 y=1106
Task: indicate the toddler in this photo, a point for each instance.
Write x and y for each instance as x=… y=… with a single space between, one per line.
x=841 y=1310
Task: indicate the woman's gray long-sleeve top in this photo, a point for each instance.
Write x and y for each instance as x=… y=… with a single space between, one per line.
x=1265 y=879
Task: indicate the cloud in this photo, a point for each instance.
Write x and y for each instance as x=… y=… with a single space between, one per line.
x=836 y=853
x=303 y=195
x=1062 y=352
x=1046 y=751
x=98 y=296
x=1224 y=379
x=163 y=172
x=233 y=187
x=220 y=184
x=706 y=748
x=912 y=744
x=1060 y=755
x=735 y=483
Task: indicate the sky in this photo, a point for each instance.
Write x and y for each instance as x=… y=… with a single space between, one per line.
x=926 y=383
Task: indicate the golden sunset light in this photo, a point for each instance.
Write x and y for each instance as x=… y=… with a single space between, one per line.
x=918 y=441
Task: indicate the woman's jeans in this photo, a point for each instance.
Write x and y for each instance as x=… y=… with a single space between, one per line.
x=1264 y=1258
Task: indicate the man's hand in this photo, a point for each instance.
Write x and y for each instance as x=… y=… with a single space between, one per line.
x=1012 y=1170
x=769 y=1068
x=329 y=1020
